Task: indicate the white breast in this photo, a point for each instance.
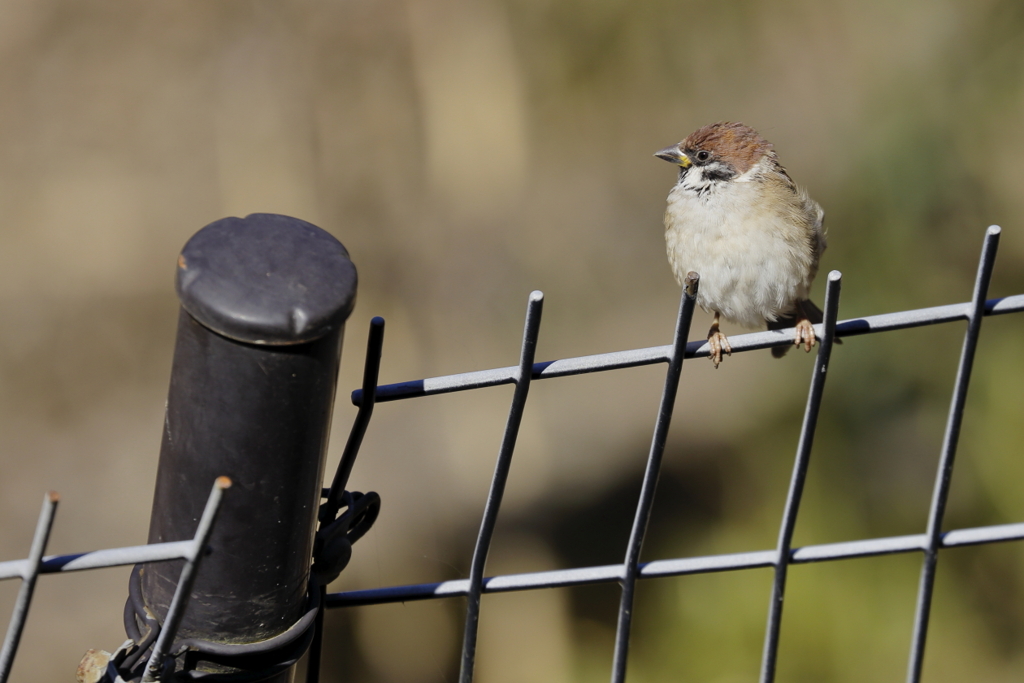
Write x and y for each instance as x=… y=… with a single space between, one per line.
x=754 y=263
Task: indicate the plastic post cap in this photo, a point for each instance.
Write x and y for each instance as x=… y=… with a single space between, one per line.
x=266 y=279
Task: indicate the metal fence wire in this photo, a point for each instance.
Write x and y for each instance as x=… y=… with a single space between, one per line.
x=929 y=543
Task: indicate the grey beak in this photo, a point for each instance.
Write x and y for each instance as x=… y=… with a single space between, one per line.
x=674 y=155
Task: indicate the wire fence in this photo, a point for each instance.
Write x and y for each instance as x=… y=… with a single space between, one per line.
x=929 y=543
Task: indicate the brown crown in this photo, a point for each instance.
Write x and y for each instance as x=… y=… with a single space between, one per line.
x=737 y=144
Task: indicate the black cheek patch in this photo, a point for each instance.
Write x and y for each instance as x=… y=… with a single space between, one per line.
x=718 y=174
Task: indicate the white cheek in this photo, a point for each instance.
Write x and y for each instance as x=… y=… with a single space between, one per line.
x=692 y=178
x=745 y=177
x=758 y=169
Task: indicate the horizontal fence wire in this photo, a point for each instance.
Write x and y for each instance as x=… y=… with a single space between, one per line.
x=564 y=578
x=783 y=555
x=885 y=322
x=99 y=559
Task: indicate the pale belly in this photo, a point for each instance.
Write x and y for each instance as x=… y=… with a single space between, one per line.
x=751 y=270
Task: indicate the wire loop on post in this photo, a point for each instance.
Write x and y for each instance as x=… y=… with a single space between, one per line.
x=253 y=661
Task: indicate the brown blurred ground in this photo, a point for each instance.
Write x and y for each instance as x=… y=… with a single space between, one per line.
x=467 y=152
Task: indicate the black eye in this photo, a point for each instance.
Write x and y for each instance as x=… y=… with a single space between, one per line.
x=703 y=155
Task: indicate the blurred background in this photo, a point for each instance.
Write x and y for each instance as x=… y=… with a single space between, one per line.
x=467 y=152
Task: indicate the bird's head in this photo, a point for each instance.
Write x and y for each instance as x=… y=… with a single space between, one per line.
x=717 y=152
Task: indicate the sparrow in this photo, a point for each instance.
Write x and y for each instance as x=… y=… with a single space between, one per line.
x=755 y=237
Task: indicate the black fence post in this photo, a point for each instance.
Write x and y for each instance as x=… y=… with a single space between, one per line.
x=264 y=301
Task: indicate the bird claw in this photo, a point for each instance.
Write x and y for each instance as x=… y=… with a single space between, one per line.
x=719 y=344
x=804 y=334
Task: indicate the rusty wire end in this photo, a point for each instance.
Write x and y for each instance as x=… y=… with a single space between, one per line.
x=691 y=284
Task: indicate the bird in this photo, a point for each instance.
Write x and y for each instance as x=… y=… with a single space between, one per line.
x=737 y=219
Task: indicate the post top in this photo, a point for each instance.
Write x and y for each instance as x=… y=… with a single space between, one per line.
x=266 y=279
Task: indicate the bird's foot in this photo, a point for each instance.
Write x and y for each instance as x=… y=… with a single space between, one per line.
x=719 y=345
x=804 y=334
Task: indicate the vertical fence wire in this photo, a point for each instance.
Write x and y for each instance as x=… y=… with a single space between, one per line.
x=371 y=370
x=28 y=584
x=497 y=490
x=650 y=483
x=799 y=477
x=371 y=373
x=176 y=610
x=944 y=474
